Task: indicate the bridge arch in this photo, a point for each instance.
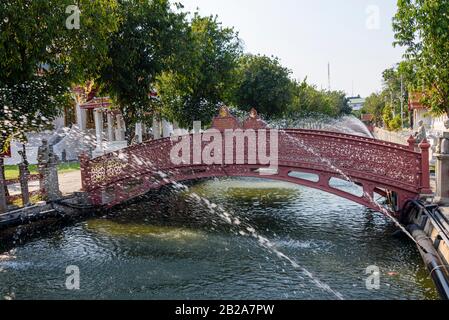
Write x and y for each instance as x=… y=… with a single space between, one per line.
x=322 y=184
x=376 y=166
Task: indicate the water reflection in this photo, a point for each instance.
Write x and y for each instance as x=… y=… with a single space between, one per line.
x=169 y=247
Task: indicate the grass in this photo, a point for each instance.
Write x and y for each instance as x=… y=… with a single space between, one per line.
x=12 y=172
x=33 y=199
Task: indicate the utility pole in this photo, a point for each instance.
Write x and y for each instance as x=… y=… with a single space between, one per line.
x=329 y=76
x=391 y=103
x=402 y=101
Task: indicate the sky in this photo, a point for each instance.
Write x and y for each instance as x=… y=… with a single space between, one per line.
x=354 y=36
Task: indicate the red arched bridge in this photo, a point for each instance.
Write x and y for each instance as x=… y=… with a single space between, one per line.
x=306 y=157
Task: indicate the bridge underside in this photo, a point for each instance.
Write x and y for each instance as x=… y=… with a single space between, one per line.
x=133 y=187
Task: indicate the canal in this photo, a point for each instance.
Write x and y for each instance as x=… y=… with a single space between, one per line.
x=173 y=246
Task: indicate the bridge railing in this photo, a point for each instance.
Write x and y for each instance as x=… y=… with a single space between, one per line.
x=354 y=157
x=352 y=137
x=366 y=158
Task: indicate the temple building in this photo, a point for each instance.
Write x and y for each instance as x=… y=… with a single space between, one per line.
x=97 y=116
x=420 y=112
x=91 y=124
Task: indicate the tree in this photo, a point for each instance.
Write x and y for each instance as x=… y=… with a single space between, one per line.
x=392 y=123
x=139 y=51
x=204 y=77
x=397 y=82
x=392 y=88
x=375 y=105
x=422 y=27
x=310 y=101
x=387 y=115
x=339 y=102
x=40 y=58
x=263 y=83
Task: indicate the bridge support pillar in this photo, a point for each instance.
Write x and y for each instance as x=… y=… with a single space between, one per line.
x=424 y=146
x=196 y=126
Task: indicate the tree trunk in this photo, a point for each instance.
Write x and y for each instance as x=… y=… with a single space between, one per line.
x=2 y=172
x=130 y=131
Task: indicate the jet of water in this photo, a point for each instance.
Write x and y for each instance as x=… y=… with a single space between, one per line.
x=344 y=124
x=300 y=142
x=245 y=229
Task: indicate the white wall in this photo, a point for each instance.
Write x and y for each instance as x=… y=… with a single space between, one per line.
x=401 y=137
x=394 y=137
x=438 y=123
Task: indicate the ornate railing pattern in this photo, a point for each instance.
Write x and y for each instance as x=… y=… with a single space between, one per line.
x=376 y=166
x=134 y=170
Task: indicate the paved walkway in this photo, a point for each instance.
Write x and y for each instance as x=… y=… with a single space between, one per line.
x=69 y=182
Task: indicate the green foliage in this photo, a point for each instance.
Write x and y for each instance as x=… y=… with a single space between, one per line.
x=40 y=58
x=142 y=48
x=338 y=102
x=30 y=106
x=263 y=83
x=392 y=123
x=422 y=27
x=12 y=171
x=391 y=92
x=395 y=124
x=129 y=48
x=387 y=115
x=392 y=82
x=205 y=76
x=374 y=105
x=309 y=100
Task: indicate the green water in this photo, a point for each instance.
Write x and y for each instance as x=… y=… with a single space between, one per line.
x=171 y=247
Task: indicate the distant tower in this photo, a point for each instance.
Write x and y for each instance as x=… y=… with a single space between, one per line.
x=329 y=76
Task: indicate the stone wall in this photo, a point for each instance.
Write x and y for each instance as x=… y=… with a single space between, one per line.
x=399 y=137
